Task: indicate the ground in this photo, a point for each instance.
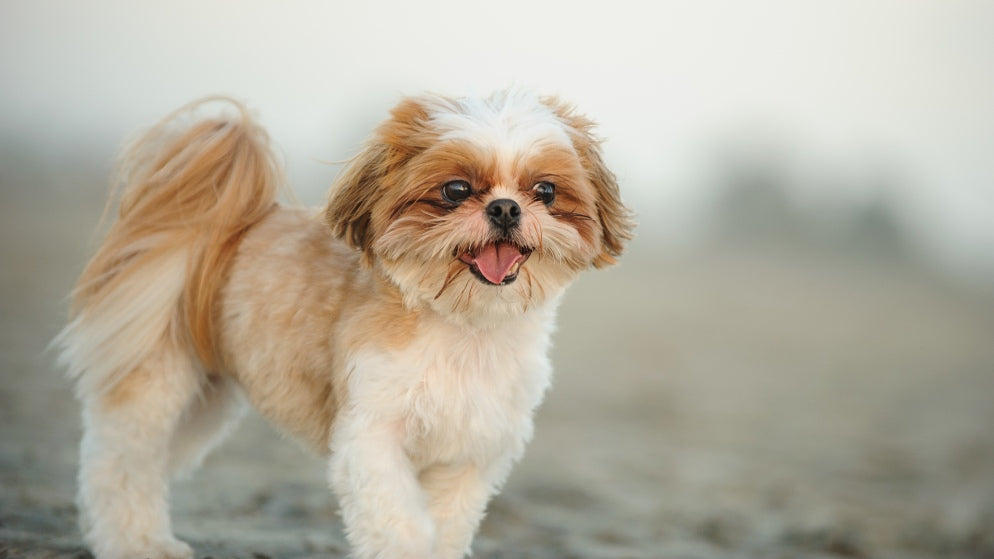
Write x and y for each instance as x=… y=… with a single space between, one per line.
x=746 y=398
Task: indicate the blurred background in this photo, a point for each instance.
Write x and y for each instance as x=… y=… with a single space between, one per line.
x=795 y=358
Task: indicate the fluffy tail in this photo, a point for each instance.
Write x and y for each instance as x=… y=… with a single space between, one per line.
x=189 y=193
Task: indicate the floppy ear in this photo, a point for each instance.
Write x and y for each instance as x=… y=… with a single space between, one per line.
x=352 y=210
x=617 y=225
x=350 y=207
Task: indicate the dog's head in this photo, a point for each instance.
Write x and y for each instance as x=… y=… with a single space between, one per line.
x=481 y=205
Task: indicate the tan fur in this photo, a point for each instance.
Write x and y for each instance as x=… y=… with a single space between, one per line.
x=124 y=391
x=291 y=276
x=616 y=220
x=195 y=190
x=351 y=207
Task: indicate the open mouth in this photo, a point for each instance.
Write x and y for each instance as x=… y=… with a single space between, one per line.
x=496 y=263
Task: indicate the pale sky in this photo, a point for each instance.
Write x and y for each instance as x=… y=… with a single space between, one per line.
x=843 y=87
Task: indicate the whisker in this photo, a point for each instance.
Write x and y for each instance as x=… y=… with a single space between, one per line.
x=540 y=288
x=573 y=215
x=536 y=227
x=457 y=305
x=453 y=274
x=528 y=276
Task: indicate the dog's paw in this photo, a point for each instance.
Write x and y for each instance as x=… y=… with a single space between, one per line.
x=394 y=537
x=176 y=549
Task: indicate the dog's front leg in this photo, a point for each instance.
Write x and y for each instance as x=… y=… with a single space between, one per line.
x=458 y=495
x=383 y=506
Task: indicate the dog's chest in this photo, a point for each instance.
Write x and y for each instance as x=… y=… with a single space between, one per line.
x=469 y=396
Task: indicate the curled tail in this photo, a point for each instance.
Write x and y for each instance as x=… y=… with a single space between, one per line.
x=188 y=194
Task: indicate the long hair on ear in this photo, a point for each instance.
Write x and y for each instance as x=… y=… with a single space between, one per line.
x=352 y=207
x=189 y=191
x=617 y=221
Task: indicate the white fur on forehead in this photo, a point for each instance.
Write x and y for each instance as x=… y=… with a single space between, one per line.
x=513 y=120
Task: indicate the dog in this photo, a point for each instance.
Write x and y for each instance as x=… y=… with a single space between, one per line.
x=402 y=331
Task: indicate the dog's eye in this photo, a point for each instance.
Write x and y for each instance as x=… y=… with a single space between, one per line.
x=546 y=192
x=456 y=191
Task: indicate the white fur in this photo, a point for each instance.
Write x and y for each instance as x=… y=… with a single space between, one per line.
x=124 y=457
x=430 y=433
x=512 y=123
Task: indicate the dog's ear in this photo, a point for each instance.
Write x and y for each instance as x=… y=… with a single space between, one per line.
x=353 y=210
x=616 y=220
x=350 y=207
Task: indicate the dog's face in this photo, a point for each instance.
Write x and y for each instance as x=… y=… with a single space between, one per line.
x=481 y=205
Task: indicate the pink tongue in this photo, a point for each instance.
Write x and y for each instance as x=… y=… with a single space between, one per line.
x=496 y=260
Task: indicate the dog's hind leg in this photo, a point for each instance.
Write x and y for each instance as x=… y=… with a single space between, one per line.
x=206 y=421
x=124 y=459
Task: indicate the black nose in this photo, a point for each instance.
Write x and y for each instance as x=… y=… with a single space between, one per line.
x=505 y=214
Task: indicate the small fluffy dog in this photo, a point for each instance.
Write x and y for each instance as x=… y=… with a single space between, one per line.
x=401 y=331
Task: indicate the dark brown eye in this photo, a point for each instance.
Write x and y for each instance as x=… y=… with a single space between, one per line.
x=456 y=191
x=546 y=192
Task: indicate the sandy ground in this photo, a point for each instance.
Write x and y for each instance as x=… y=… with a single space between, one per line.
x=746 y=400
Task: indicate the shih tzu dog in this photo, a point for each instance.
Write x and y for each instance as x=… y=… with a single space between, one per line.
x=402 y=331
